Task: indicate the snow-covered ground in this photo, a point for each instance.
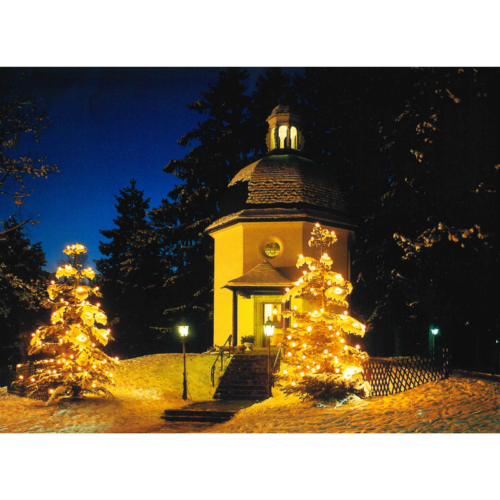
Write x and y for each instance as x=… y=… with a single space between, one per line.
x=147 y=386
x=455 y=405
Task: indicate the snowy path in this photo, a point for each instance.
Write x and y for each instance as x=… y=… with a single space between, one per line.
x=147 y=386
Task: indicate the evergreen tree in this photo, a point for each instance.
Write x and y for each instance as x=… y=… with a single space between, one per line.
x=76 y=366
x=220 y=147
x=344 y=109
x=320 y=363
x=434 y=230
x=22 y=284
x=232 y=134
x=132 y=275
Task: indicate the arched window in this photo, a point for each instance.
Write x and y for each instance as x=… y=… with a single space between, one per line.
x=283 y=132
x=293 y=137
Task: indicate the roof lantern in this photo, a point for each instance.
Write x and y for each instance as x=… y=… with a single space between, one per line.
x=285 y=129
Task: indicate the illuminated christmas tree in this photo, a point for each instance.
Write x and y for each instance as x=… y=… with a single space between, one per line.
x=320 y=362
x=74 y=365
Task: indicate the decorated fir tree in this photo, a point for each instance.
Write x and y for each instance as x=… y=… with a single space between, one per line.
x=320 y=360
x=74 y=365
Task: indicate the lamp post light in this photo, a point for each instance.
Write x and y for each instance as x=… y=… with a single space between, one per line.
x=269 y=332
x=184 y=330
x=433 y=333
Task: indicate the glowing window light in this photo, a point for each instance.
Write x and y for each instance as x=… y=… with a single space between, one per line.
x=293 y=137
x=282 y=133
x=272 y=249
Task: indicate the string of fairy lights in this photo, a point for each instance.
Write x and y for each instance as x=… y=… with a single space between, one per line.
x=76 y=365
x=316 y=351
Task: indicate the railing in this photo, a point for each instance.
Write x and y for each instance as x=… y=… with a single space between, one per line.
x=221 y=356
x=276 y=365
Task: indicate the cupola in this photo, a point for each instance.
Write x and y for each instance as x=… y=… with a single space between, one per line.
x=285 y=129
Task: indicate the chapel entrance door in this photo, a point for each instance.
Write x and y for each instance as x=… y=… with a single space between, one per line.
x=269 y=310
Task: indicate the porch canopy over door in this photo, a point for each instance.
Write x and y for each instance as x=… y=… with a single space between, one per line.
x=263 y=279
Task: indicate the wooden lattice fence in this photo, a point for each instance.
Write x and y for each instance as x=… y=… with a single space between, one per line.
x=388 y=376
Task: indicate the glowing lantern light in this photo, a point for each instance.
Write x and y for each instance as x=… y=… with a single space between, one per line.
x=269 y=329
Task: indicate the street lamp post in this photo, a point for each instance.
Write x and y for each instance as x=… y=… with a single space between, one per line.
x=184 y=330
x=433 y=331
x=268 y=332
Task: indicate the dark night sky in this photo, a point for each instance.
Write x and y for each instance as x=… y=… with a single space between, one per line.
x=109 y=125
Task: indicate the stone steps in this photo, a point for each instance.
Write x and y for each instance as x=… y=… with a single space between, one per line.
x=200 y=416
x=245 y=378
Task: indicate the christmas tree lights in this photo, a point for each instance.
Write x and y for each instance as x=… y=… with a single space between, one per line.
x=320 y=361
x=75 y=366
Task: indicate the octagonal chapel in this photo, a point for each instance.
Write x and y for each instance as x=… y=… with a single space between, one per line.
x=267 y=215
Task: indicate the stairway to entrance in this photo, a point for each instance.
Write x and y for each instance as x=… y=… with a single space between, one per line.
x=207 y=412
x=244 y=379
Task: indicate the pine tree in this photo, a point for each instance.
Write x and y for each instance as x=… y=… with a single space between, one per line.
x=132 y=275
x=344 y=110
x=220 y=147
x=75 y=366
x=320 y=362
x=22 y=286
x=442 y=154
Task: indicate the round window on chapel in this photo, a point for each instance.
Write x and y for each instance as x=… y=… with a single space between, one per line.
x=272 y=249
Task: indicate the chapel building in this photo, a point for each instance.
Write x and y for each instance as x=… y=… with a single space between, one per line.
x=267 y=215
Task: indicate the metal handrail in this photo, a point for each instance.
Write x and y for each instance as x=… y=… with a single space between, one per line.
x=276 y=358
x=221 y=355
x=274 y=365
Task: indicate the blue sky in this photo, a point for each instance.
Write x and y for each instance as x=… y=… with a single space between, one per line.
x=109 y=125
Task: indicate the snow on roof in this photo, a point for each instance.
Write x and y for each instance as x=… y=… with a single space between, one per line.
x=288 y=182
x=292 y=179
x=264 y=274
x=244 y=174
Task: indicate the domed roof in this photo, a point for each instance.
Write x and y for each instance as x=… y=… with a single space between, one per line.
x=285 y=179
x=282 y=186
x=283 y=109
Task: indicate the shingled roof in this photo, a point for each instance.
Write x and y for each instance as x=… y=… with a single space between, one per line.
x=288 y=179
x=262 y=275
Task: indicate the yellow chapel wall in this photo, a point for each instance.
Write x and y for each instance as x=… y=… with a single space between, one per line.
x=228 y=265
x=239 y=248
